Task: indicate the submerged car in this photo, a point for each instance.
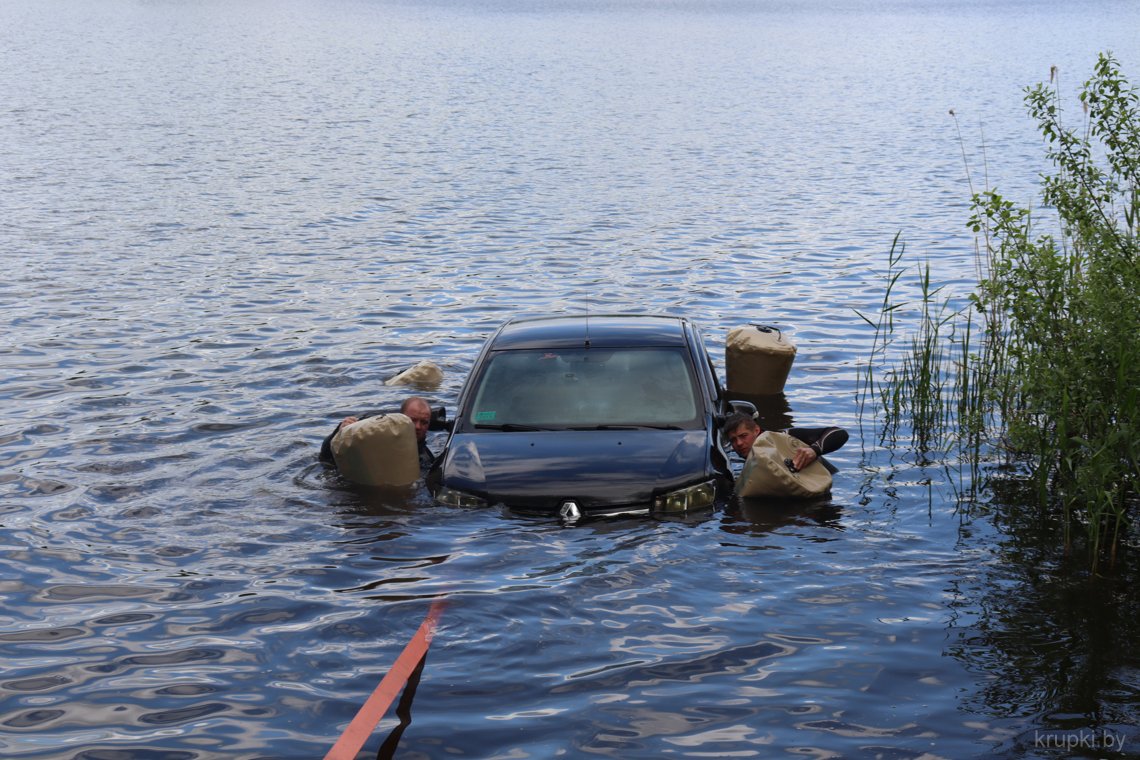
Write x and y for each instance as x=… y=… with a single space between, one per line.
x=588 y=415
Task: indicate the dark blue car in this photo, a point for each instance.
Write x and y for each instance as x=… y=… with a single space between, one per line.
x=588 y=415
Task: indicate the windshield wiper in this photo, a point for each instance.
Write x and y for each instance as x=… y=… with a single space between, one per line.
x=625 y=427
x=511 y=427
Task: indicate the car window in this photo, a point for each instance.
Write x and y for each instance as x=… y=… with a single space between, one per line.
x=586 y=387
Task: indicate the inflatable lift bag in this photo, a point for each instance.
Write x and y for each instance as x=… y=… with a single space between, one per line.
x=766 y=474
x=378 y=451
x=757 y=360
x=423 y=374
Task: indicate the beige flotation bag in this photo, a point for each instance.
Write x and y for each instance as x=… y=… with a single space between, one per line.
x=757 y=360
x=424 y=374
x=378 y=451
x=766 y=474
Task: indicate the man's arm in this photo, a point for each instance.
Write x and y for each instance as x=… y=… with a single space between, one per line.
x=820 y=440
x=326 y=454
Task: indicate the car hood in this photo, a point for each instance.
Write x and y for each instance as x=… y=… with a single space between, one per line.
x=599 y=469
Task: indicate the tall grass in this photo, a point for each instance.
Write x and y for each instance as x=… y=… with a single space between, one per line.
x=934 y=389
x=1044 y=362
x=915 y=395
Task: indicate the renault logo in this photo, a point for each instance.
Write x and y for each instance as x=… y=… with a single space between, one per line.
x=569 y=513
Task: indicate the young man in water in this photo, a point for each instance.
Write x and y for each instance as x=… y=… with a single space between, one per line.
x=417 y=410
x=742 y=431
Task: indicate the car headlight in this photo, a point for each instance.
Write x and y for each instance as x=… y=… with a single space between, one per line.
x=454 y=498
x=700 y=496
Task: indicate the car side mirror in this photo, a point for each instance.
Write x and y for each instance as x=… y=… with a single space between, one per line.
x=735 y=407
x=743 y=407
x=439 y=420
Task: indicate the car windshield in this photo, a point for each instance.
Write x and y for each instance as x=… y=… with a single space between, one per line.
x=586 y=388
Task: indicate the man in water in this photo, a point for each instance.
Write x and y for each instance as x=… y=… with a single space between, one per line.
x=742 y=431
x=416 y=409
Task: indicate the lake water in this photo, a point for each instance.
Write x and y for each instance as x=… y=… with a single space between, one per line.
x=224 y=224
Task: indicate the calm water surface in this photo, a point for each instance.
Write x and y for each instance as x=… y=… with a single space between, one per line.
x=224 y=224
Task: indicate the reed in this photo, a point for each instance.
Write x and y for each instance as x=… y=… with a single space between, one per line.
x=1042 y=365
x=925 y=383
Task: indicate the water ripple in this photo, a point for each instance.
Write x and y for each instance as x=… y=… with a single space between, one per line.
x=197 y=290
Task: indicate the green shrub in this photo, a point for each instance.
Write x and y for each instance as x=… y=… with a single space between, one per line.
x=1054 y=382
x=1065 y=308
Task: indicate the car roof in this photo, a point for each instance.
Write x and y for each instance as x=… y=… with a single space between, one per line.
x=594 y=330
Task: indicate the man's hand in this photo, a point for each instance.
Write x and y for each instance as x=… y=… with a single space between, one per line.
x=803 y=457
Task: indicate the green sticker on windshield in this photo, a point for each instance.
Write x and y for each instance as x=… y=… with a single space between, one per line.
x=484 y=416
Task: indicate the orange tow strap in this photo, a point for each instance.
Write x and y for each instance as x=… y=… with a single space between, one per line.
x=361 y=727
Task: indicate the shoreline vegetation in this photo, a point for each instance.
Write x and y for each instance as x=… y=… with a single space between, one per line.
x=1035 y=376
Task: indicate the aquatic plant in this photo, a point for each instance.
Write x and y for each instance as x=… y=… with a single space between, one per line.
x=1072 y=301
x=931 y=392
x=1053 y=380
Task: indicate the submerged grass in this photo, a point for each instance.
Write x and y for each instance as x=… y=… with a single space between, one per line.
x=1041 y=366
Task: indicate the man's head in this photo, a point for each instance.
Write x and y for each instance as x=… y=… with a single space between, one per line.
x=420 y=413
x=741 y=431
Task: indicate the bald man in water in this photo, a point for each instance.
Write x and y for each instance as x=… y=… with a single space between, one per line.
x=417 y=410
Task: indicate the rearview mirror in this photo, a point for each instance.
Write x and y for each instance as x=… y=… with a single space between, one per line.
x=439 y=420
x=743 y=407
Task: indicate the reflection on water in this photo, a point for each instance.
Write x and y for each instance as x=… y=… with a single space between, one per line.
x=773 y=412
x=226 y=224
x=1059 y=646
x=763 y=515
x=403 y=713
